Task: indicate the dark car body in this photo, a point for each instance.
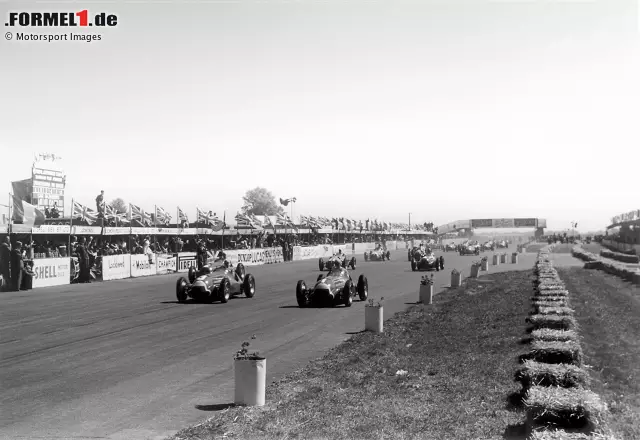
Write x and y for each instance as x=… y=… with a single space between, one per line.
x=333 y=288
x=503 y=244
x=426 y=261
x=215 y=284
x=380 y=253
x=469 y=249
x=340 y=258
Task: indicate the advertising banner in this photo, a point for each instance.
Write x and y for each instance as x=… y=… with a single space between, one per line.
x=51 y=272
x=326 y=250
x=116 y=267
x=86 y=230
x=503 y=223
x=524 y=222
x=297 y=253
x=187 y=231
x=166 y=263
x=482 y=223
x=184 y=260
x=167 y=231
x=51 y=229
x=252 y=257
x=542 y=223
x=391 y=245
x=124 y=230
x=143 y=265
x=308 y=252
x=48 y=182
x=273 y=255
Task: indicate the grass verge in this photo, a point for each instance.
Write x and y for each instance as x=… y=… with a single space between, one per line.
x=608 y=311
x=440 y=371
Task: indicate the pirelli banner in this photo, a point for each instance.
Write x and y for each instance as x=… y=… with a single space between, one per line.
x=184 y=260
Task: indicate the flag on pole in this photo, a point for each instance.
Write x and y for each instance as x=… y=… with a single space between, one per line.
x=26 y=213
x=84 y=213
x=286 y=202
x=162 y=216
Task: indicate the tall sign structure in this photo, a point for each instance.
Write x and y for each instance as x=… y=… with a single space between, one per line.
x=48 y=180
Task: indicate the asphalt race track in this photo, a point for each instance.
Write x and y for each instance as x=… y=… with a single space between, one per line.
x=123 y=360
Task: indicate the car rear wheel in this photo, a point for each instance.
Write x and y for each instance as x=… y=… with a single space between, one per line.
x=348 y=293
x=192 y=274
x=366 y=257
x=363 y=287
x=181 y=289
x=249 y=286
x=225 y=290
x=388 y=255
x=301 y=294
x=321 y=263
x=414 y=265
x=442 y=263
x=353 y=263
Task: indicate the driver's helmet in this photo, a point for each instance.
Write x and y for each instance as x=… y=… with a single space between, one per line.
x=206 y=270
x=339 y=251
x=227 y=264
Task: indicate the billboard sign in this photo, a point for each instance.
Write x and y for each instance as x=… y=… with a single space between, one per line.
x=48 y=180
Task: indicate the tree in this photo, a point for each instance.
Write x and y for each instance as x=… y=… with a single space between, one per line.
x=260 y=201
x=119 y=205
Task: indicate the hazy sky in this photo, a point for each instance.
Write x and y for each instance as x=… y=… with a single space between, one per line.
x=449 y=110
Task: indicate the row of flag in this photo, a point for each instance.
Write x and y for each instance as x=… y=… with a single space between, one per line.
x=26 y=213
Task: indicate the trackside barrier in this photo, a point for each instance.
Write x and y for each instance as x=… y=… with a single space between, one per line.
x=186 y=259
x=391 y=245
x=116 y=267
x=166 y=263
x=51 y=272
x=254 y=257
x=143 y=265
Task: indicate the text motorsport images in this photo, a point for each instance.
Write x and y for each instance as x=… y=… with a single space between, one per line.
x=57 y=20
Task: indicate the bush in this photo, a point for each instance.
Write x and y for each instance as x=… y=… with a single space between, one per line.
x=564 y=407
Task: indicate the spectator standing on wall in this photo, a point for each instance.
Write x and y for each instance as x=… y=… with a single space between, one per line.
x=100 y=204
x=5 y=264
x=83 y=262
x=17 y=266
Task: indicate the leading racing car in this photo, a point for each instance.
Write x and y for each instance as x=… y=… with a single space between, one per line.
x=378 y=254
x=470 y=249
x=215 y=284
x=340 y=258
x=425 y=260
x=335 y=287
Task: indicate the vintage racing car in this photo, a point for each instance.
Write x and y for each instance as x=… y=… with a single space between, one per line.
x=426 y=260
x=489 y=246
x=378 y=254
x=503 y=244
x=215 y=283
x=340 y=258
x=335 y=287
x=450 y=247
x=470 y=249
